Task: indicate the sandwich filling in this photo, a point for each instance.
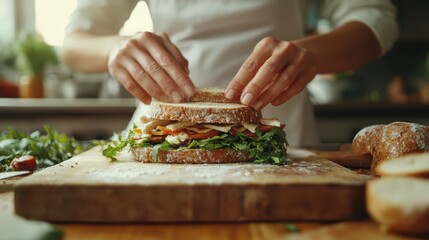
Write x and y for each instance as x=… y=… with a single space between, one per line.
x=264 y=142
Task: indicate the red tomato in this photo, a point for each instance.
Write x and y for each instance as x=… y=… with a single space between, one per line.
x=267 y=128
x=204 y=135
x=24 y=163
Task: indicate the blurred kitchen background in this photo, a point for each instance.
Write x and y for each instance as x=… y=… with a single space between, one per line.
x=392 y=88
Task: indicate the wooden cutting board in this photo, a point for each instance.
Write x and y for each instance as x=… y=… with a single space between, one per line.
x=90 y=188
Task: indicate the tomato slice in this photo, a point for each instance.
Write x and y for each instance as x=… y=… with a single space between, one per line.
x=249 y=133
x=167 y=131
x=267 y=128
x=204 y=135
x=24 y=163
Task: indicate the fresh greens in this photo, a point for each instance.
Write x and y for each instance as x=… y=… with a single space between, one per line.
x=117 y=145
x=49 y=148
x=269 y=147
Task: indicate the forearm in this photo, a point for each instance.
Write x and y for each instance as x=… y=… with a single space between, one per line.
x=89 y=53
x=342 y=49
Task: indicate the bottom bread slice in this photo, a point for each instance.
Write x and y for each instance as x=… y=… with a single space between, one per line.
x=195 y=156
x=399 y=203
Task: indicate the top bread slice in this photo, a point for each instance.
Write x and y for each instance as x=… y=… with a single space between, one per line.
x=204 y=112
x=416 y=165
x=211 y=94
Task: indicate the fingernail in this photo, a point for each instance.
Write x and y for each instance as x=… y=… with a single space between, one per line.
x=189 y=91
x=176 y=96
x=230 y=94
x=247 y=99
x=258 y=105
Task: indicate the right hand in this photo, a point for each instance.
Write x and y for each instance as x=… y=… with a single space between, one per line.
x=150 y=66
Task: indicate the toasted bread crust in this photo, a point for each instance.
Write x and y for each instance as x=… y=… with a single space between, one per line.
x=226 y=113
x=190 y=156
x=398 y=139
x=211 y=94
x=364 y=139
x=385 y=142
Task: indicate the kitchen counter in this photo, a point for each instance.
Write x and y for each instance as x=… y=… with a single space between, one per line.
x=83 y=118
x=364 y=229
x=104 y=116
x=339 y=122
x=61 y=106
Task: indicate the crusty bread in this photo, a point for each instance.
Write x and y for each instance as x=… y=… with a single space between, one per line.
x=398 y=139
x=364 y=139
x=204 y=112
x=194 y=156
x=416 y=165
x=211 y=94
x=400 y=204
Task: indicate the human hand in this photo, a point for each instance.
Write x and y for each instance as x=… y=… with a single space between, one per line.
x=150 y=66
x=274 y=72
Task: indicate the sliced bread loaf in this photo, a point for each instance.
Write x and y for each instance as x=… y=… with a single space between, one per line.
x=416 y=165
x=400 y=204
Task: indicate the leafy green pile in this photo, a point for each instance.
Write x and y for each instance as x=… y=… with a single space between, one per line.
x=49 y=148
x=269 y=147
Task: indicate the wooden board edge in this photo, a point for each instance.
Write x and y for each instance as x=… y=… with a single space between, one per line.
x=231 y=204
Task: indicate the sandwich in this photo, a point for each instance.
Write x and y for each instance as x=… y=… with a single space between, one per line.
x=208 y=128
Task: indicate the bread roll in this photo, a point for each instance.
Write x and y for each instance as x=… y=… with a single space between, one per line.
x=364 y=139
x=400 y=204
x=398 y=139
x=415 y=165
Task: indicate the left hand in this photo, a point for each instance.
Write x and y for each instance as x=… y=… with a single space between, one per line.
x=274 y=72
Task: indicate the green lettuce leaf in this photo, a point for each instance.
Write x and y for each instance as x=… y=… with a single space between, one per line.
x=269 y=147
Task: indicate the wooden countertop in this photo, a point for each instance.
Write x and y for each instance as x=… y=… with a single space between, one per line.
x=365 y=229
x=62 y=106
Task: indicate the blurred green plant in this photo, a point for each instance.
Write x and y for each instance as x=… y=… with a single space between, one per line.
x=7 y=55
x=33 y=55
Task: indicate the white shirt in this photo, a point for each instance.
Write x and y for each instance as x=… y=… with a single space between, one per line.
x=217 y=36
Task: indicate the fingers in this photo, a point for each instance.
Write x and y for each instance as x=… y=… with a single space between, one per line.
x=168 y=72
x=276 y=70
x=297 y=73
x=296 y=87
x=150 y=65
x=154 y=73
x=248 y=71
x=127 y=81
x=282 y=55
x=145 y=81
x=174 y=50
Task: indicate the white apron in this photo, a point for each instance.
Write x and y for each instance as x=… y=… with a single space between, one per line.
x=217 y=36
